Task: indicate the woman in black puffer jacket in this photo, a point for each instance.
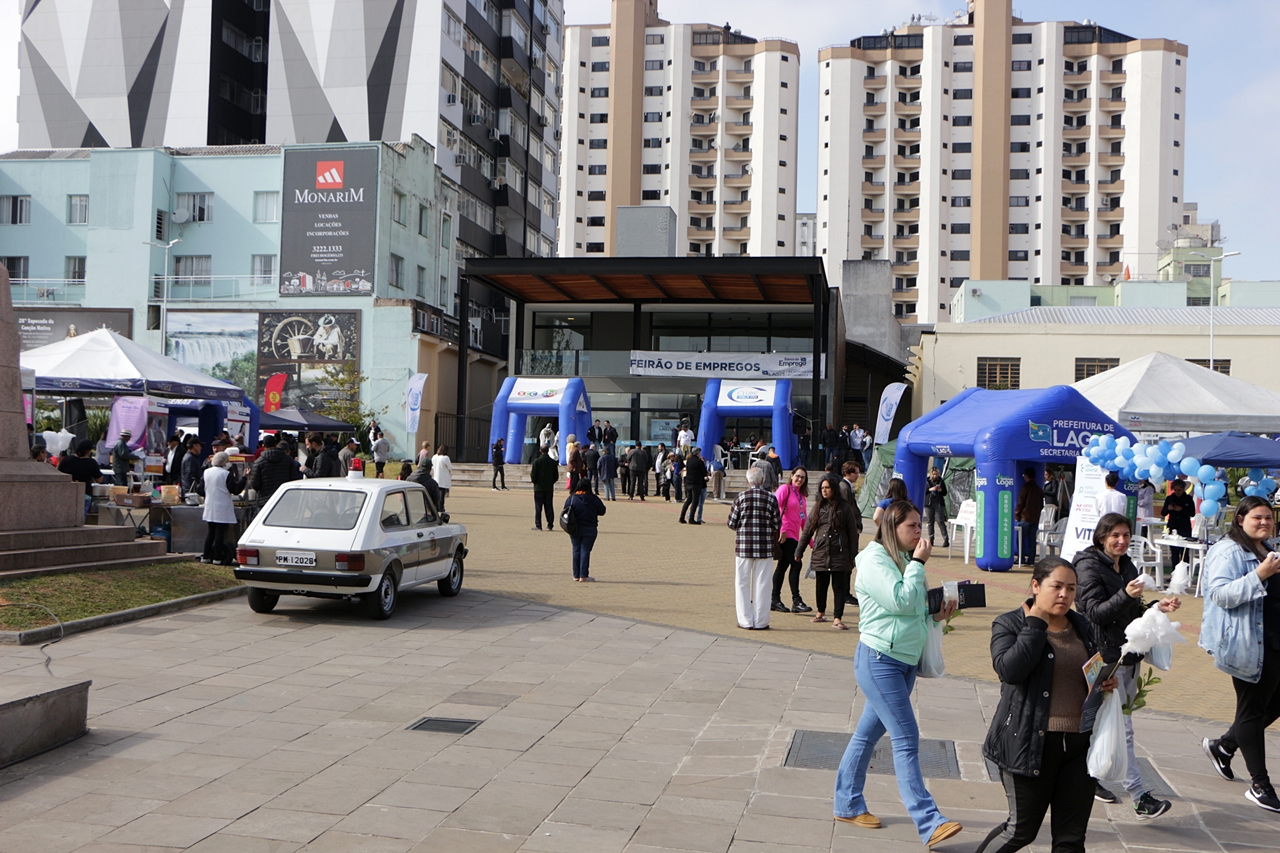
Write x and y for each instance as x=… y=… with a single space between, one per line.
x=1039 y=737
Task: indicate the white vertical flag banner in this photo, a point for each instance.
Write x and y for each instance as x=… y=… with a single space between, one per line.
x=889 y=401
x=413 y=402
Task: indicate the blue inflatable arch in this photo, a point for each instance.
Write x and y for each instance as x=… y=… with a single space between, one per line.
x=760 y=398
x=523 y=397
x=1005 y=432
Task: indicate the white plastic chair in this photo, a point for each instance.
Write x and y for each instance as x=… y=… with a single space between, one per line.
x=967 y=518
x=1051 y=540
x=1146 y=555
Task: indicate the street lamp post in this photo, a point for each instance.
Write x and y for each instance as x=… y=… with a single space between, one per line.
x=1214 y=281
x=164 y=289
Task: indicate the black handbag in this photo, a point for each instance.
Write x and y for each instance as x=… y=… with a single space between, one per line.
x=568 y=521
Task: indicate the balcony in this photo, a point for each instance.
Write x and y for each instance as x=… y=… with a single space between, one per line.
x=740 y=179
x=702 y=155
x=903 y=81
x=872 y=187
x=703 y=181
x=577 y=362
x=1111 y=105
x=906 y=268
x=249 y=288
x=1072 y=241
x=1081 y=132
x=879 y=108
x=876 y=135
x=1073 y=187
x=738 y=128
x=1112 y=77
x=873 y=214
x=875 y=83
x=1110 y=268
x=1074 y=269
x=704 y=128
x=1077 y=105
x=1075 y=159
x=1110 y=214
x=906 y=214
x=873 y=162
x=1116 y=186
x=1069 y=79
x=697 y=232
x=907 y=134
x=706 y=77
x=906 y=241
x=906 y=161
x=46 y=291
x=742 y=205
x=1109 y=159
x=1111 y=131
x=700 y=102
x=737 y=154
x=1110 y=240
x=702 y=207
x=1075 y=214
x=907 y=108
x=741 y=102
x=739 y=76
x=906 y=188
x=873 y=241
x=737 y=232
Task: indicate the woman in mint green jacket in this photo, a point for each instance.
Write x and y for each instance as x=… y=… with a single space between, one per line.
x=893 y=623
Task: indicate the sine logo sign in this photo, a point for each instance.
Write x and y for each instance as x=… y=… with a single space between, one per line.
x=329 y=174
x=747 y=395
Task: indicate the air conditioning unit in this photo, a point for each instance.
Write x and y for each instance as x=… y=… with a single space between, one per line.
x=459 y=159
x=494 y=134
x=475 y=119
x=495 y=184
x=546 y=29
x=542 y=121
x=558 y=134
x=559 y=90
x=451 y=98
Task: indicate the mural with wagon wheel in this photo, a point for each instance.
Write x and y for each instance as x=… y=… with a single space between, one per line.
x=295 y=347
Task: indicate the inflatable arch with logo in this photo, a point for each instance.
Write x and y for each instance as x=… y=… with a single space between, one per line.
x=1005 y=432
x=760 y=398
x=522 y=397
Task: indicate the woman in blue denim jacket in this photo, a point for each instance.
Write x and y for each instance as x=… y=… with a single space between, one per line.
x=1241 y=630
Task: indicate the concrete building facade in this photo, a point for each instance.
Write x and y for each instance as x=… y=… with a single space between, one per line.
x=696 y=117
x=994 y=148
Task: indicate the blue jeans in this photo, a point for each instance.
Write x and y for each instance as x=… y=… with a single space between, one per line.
x=609 y=493
x=886 y=684
x=583 y=541
x=702 y=501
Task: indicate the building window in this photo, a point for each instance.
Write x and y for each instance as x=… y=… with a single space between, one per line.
x=264 y=271
x=193 y=269
x=1019 y=228
x=654 y=38
x=653 y=91
x=77 y=210
x=1086 y=367
x=599 y=66
x=595 y=247
x=599 y=118
x=653 y=116
x=961 y=174
x=1019 y=175
x=199 y=205
x=653 y=65
x=962 y=121
x=1018 y=120
x=597 y=143
x=999 y=373
x=960 y=201
x=598 y=169
x=956 y=281
x=1017 y=254
x=960 y=227
x=962 y=95
x=595 y=221
x=395 y=272
x=962 y=148
x=1021 y=65
x=16 y=266
x=1198 y=270
x=651 y=169
x=422 y=282
x=15 y=210
x=1222 y=365
x=75 y=269
x=599 y=41
x=963 y=67
x=651 y=142
x=962 y=40
x=453 y=27
x=399 y=207
x=250 y=48
x=424 y=221
x=650 y=195
x=959 y=254
x=266 y=207
x=600 y=92
x=1019 y=201
x=595 y=195
x=1022 y=38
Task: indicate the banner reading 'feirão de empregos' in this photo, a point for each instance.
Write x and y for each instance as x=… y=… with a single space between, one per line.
x=723 y=365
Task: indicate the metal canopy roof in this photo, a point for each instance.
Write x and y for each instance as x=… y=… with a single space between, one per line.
x=670 y=280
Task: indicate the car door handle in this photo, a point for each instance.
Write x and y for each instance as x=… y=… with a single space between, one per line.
x=419 y=535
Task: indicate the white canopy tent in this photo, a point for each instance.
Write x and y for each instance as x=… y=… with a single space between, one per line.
x=1164 y=393
x=102 y=362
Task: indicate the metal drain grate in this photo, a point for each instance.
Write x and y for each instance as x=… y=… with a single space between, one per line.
x=823 y=750
x=441 y=725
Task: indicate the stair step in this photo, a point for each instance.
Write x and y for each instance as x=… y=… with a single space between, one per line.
x=40 y=557
x=71 y=568
x=16 y=540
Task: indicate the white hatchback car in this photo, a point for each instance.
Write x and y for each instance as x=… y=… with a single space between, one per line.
x=352 y=538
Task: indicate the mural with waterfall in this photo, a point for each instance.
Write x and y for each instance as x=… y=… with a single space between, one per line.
x=222 y=344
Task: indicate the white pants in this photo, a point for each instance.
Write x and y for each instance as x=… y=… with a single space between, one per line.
x=754 y=590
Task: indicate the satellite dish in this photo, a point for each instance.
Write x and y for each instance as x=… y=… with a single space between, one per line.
x=180 y=216
x=1163 y=245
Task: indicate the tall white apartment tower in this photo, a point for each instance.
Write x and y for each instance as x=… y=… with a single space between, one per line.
x=989 y=147
x=696 y=117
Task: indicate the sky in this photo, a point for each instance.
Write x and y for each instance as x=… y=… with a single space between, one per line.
x=1233 y=86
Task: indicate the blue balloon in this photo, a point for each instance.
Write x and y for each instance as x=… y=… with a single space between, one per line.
x=1256 y=474
x=1171 y=471
x=1206 y=473
x=1215 y=490
x=1158 y=459
x=1189 y=466
x=1109 y=441
x=1209 y=508
x=1199 y=490
x=1126 y=452
x=1252 y=491
x=1164 y=447
x=1269 y=485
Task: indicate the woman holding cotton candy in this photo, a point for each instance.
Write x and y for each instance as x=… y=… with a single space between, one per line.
x=1241 y=630
x=1109 y=595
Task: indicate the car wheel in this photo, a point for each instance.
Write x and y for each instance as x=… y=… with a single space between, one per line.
x=381 y=603
x=451 y=584
x=261 y=601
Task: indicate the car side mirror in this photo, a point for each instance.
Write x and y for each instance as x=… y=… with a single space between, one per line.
x=444 y=518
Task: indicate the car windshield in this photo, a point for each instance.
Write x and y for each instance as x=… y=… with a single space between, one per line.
x=318 y=509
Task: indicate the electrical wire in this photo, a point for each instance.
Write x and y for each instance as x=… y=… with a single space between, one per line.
x=61 y=631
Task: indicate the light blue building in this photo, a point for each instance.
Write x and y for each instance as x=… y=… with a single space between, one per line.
x=259 y=264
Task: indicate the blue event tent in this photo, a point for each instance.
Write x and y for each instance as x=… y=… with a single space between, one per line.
x=1233 y=449
x=1006 y=432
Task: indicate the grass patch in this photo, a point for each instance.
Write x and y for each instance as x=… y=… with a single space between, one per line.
x=84 y=594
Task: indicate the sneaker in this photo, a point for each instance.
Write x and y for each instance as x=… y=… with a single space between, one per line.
x=1263 y=795
x=1148 y=807
x=1221 y=761
x=866 y=820
x=779 y=606
x=1102 y=795
x=942 y=833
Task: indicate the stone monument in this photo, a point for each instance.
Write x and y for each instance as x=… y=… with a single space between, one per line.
x=33 y=495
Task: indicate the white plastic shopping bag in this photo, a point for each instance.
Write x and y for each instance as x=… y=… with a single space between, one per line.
x=1161 y=657
x=931 y=664
x=1108 y=758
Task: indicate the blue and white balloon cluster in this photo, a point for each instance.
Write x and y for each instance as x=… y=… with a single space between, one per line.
x=1165 y=461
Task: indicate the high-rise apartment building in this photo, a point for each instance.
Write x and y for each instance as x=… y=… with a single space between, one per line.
x=990 y=148
x=695 y=117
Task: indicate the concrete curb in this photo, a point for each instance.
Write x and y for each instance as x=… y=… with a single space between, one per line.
x=53 y=632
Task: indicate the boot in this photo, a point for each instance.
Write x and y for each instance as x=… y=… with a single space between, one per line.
x=798 y=606
x=779 y=606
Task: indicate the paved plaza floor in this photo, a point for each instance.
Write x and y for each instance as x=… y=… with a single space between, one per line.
x=223 y=730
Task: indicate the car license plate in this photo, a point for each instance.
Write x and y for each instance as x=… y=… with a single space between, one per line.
x=295 y=558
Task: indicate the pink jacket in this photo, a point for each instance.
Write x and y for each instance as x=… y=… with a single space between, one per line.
x=794 y=510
